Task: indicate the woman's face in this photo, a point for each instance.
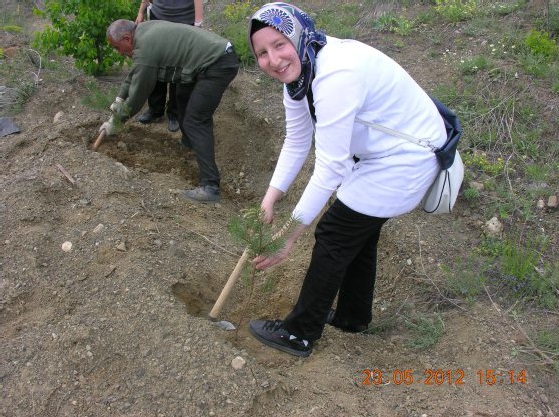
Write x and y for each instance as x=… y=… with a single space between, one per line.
x=276 y=55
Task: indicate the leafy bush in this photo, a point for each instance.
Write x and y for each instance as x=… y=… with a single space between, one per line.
x=236 y=15
x=78 y=29
x=540 y=44
x=457 y=10
x=395 y=24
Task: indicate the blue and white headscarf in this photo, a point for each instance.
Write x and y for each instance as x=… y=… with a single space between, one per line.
x=298 y=27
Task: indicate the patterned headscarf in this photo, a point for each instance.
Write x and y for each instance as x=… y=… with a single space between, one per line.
x=298 y=27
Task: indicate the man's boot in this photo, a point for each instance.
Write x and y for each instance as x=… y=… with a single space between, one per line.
x=149 y=117
x=173 y=125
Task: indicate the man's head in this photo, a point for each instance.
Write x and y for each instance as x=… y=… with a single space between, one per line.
x=120 y=35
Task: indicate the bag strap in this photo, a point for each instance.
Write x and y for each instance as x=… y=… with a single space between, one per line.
x=421 y=142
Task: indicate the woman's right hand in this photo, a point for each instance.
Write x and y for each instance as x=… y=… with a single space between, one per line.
x=268 y=202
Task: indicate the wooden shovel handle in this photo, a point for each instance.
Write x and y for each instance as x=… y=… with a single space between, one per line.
x=99 y=139
x=228 y=286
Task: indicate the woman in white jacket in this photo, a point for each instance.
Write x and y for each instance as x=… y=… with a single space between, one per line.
x=330 y=86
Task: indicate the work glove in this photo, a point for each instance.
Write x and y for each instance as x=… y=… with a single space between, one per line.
x=109 y=127
x=116 y=107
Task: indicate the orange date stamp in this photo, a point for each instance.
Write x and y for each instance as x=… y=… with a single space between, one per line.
x=438 y=377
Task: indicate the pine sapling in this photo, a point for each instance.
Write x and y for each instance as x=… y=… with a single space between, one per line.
x=259 y=238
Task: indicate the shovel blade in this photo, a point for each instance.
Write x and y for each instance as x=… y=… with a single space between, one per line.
x=225 y=325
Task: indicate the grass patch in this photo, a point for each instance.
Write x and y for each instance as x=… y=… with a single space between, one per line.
x=339 y=20
x=383 y=326
x=426 y=331
x=97 y=98
x=466 y=279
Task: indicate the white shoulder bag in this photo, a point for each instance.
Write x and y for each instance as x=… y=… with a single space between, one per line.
x=442 y=194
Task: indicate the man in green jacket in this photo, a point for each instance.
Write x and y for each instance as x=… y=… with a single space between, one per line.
x=201 y=64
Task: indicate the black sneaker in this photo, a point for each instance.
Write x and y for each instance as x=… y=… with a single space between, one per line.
x=272 y=333
x=173 y=125
x=343 y=325
x=202 y=194
x=149 y=117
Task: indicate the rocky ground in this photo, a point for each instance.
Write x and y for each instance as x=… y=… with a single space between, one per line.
x=117 y=324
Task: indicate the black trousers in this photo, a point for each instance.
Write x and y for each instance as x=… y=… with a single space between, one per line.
x=343 y=263
x=158 y=97
x=196 y=104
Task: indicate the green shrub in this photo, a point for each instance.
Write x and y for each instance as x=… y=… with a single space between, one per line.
x=236 y=15
x=540 y=44
x=457 y=10
x=78 y=29
x=395 y=24
x=470 y=193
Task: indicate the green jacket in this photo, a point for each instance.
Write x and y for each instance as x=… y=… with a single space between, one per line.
x=167 y=52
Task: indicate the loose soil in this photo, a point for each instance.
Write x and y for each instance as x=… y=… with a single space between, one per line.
x=118 y=326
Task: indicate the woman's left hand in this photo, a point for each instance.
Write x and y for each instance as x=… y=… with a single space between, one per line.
x=262 y=262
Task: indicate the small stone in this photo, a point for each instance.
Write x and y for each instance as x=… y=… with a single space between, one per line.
x=98 y=228
x=478 y=186
x=552 y=202
x=238 y=363
x=540 y=204
x=67 y=246
x=57 y=117
x=494 y=227
x=121 y=247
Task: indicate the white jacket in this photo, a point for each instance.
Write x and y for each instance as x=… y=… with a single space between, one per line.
x=354 y=80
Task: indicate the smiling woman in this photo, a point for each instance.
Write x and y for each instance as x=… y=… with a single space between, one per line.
x=330 y=83
x=285 y=44
x=276 y=55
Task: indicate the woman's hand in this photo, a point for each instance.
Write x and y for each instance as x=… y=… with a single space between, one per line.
x=265 y=261
x=267 y=205
x=262 y=262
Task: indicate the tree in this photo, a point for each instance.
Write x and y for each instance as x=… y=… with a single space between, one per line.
x=78 y=29
x=251 y=230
